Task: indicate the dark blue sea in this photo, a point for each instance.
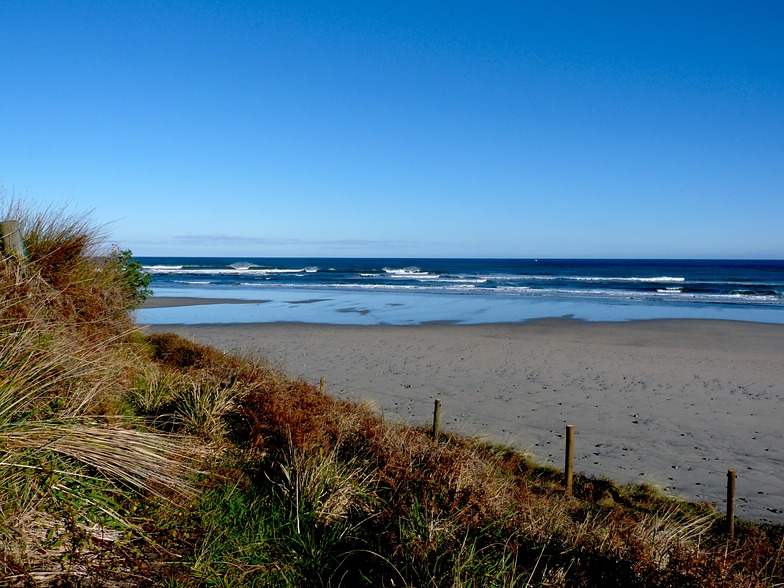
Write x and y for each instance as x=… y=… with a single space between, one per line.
x=415 y=291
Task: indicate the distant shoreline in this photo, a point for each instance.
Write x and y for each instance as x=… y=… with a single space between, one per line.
x=177 y=301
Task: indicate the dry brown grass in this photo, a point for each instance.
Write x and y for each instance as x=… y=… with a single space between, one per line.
x=71 y=275
x=462 y=494
x=70 y=461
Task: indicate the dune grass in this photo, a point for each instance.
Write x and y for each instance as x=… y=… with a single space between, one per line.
x=148 y=460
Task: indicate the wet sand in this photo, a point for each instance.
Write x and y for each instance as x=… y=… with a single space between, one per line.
x=172 y=301
x=670 y=402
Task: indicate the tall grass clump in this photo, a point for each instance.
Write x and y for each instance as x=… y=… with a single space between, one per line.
x=70 y=461
x=83 y=279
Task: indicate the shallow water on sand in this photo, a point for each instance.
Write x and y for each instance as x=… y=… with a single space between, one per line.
x=328 y=306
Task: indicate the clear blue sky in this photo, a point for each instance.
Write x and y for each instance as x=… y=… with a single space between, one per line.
x=482 y=129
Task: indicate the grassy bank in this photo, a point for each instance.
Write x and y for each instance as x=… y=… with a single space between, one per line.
x=133 y=460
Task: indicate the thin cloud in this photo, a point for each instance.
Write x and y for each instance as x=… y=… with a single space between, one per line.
x=232 y=240
x=370 y=244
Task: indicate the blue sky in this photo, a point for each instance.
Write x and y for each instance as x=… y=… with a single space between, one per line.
x=402 y=129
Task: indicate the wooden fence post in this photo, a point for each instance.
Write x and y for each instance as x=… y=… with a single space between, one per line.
x=569 y=461
x=731 y=503
x=436 y=418
x=12 y=238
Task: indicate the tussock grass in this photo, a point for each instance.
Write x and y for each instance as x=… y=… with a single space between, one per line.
x=201 y=407
x=139 y=459
x=70 y=462
x=129 y=459
x=153 y=391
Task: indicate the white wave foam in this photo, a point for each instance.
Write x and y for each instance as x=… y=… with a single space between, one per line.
x=545 y=278
x=226 y=271
x=663 y=279
x=674 y=294
x=159 y=268
x=408 y=272
x=242 y=265
x=282 y=271
x=464 y=280
x=658 y=279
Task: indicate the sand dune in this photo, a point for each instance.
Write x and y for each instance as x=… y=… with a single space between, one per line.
x=674 y=402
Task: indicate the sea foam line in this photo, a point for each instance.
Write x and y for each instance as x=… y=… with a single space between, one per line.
x=163 y=270
x=529 y=292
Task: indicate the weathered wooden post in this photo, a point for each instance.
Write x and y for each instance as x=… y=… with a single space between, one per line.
x=731 y=503
x=569 y=461
x=436 y=418
x=12 y=238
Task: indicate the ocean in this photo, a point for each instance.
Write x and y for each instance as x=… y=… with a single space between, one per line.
x=463 y=291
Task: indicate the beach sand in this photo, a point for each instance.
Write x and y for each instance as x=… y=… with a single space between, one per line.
x=670 y=402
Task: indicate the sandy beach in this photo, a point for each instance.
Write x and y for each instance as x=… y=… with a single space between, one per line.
x=671 y=402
